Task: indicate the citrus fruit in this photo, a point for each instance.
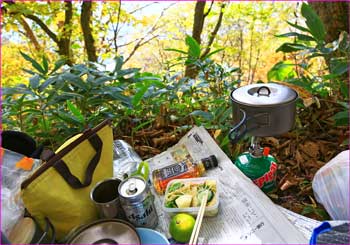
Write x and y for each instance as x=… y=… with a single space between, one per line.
x=181 y=226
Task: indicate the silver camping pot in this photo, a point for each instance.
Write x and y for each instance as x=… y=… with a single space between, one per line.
x=105 y=231
x=266 y=109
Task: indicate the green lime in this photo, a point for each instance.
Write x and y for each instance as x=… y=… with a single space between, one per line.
x=181 y=226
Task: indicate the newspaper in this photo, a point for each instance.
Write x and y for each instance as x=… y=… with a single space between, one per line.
x=246 y=215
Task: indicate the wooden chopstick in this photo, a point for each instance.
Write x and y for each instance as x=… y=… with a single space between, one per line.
x=199 y=219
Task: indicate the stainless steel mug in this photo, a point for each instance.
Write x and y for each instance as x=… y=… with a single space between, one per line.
x=106 y=198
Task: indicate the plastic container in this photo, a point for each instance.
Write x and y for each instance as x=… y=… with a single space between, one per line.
x=211 y=210
x=331 y=186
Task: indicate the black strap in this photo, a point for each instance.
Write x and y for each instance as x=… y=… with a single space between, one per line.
x=62 y=168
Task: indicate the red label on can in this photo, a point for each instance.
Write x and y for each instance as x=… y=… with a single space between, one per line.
x=267 y=177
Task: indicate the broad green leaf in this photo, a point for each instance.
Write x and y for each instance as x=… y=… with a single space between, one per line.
x=282 y=71
x=313 y=22
x=194 y=50
x=298 y=35
x=35 y=64
x=75 y=111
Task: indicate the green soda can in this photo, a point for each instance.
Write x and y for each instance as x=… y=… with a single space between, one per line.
x=260 y=167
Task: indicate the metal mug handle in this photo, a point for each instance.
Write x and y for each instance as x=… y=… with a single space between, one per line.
x=267 y=89
x=238 y=131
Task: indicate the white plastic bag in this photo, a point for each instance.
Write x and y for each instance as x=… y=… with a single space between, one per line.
x=12 y=207
x=331 y=186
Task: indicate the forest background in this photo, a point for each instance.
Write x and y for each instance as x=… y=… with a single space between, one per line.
x=158 y=68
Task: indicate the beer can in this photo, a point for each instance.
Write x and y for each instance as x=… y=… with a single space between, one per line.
x=137 y=202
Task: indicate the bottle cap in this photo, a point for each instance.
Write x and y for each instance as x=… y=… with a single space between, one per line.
x=210 y=162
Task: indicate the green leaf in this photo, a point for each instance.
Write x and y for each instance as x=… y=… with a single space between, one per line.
x=298 y=35
x=339 y=65
x=281 y=71
x=214 y=52
x=194 y=49
x=34 y=81
x=58 y=65
x=313 y=22
x=139 y=95
x=29 y=71
x=101 y=80
x=47 y=82
x=341 y=118
x=291 y=47
x=206 y=115
x=75 y=80
x=75 y=111
x=45 y=64
x=119 y=61
x=34 y=63
x=176 y=50
x=301 y=28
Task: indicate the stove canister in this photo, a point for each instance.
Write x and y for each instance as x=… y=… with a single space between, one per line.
x=137 y=202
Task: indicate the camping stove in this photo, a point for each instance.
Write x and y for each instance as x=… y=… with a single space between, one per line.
x=258 y=165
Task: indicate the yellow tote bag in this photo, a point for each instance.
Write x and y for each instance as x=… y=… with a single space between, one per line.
x=60 y=189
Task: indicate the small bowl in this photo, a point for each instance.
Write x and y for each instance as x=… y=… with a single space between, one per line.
x=149 y=236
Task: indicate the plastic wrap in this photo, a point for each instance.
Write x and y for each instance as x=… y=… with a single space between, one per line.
x=12 y=208
x=331 y=186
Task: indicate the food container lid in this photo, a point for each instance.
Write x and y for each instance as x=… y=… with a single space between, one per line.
x=209 y=210
x=263 y=94
x=106 y=231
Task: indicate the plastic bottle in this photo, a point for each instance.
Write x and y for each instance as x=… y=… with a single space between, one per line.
x=181 y=170
x=125 y=159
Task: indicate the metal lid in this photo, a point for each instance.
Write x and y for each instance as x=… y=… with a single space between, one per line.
x=132 y=187
x=263 y=94
x=107 y=231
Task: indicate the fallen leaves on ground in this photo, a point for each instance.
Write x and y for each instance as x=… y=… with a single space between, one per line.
x=300 y=152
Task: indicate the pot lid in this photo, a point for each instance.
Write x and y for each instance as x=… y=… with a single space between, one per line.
x=263 y=94
x=106 y=231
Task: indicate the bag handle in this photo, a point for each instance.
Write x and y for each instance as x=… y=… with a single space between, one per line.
x=62 y=168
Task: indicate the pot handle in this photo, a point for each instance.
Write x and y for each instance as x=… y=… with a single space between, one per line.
x=266 y=88
x=238 y=131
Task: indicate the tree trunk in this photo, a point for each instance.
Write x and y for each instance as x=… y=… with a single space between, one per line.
x=198 y=22
x=64 y=42
x=87 y=32
x=335 y=17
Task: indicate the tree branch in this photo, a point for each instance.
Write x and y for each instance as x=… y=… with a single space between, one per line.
x=206 y=14
x=215 y=31
x=138 y=45
x=29 y=33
